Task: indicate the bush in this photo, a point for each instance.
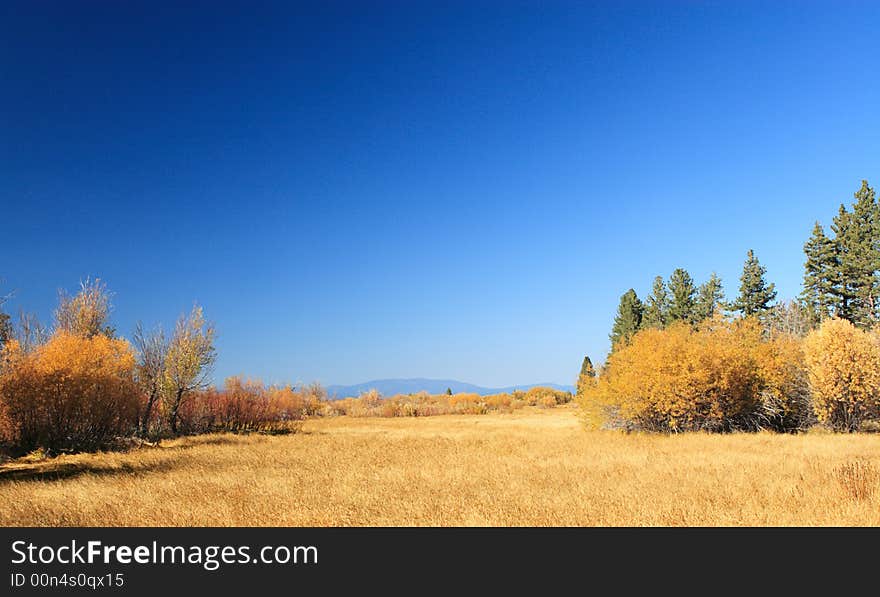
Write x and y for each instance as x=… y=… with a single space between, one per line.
x=844 y=372
x=680 y=379
x=72 y=393
x=422 y=404
x=243 y=406
x=785 y=401
x=546 y=397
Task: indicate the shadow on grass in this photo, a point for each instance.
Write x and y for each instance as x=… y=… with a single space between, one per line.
x=56 y=471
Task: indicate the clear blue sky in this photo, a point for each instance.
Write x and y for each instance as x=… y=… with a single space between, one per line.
x=462 y=190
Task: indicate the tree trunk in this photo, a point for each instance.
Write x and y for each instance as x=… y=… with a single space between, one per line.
x=174 y=409
x=143 y=427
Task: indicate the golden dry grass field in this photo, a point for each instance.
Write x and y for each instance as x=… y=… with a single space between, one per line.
x=532 y=467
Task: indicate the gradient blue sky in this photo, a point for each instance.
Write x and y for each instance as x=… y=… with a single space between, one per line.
x=462 y=190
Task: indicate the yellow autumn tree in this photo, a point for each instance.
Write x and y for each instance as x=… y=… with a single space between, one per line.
x=843 y=363
x=785 y=392
x=680 y=379
x=72 y=393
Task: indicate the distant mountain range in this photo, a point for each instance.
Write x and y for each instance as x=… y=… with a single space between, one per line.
x=390 y=387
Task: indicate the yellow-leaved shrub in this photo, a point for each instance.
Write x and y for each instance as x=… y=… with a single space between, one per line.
x=785 y=393
x=844 y=372
x=680 y=379
x=722 y=376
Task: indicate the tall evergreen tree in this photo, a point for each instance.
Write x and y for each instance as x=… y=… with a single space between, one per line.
x=628 y=318
x=755 y=294
x=820 y=276
x=859 y=247
x=657 y=306
x=843 y=275
x=710 y=298
x=682 y=306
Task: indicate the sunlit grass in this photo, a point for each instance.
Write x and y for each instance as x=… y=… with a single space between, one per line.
x=531 y=467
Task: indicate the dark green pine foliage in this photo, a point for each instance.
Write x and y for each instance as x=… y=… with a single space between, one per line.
x=819 y=297
x=755 y=294
x=842 y=276
x=449 y=391
x=628 y=319
x=657 y=306
x=858 y=245
x=682 y=305
x=710 y=298
x=587 y=368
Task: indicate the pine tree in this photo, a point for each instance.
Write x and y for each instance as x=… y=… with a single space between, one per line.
x=586 y=376
x=657 y=306
x=587 y=368
x=683 y=302
x=710 y=298
x=843 y=273
x=449 y=391
x=860 y=257
x=628 y=319
x=755 y=295
x=820 y=276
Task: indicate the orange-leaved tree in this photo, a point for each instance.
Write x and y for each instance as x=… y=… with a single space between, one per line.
x=72 y=393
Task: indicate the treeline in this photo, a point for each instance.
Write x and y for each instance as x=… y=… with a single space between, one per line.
x=842 y=271
x=78 y=386
x=681 y=300
x=686 y=359
x=423 y=404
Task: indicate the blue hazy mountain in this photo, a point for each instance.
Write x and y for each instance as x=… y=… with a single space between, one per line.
x=390 y=387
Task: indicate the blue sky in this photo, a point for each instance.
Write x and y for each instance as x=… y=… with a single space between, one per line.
x=457 y=190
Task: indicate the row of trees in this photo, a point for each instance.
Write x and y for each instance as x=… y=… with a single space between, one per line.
x=842 y=271
x=687 y=359
x=681 y=300
x=727 y=374
x=422 y=404
x=77 y=385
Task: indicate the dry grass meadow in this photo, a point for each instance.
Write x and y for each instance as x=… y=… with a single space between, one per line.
x=531 y=467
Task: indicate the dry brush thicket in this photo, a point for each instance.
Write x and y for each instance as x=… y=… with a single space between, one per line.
x=423 y=404
x=732 y=375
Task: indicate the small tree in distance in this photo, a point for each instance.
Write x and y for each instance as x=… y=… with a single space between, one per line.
x=586 y=376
